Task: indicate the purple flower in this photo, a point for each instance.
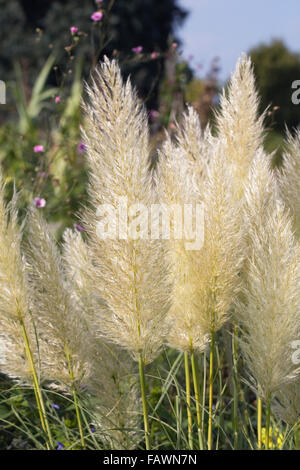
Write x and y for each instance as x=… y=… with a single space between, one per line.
x=39 y=202
x=79 y=227
x=97 y=16
x=153 y=114
x=137 y=49
x=81 y=147
x=74 y=30
x=92 y=429
x=54 y=405
x=57 y=99
x=60 y=446
x=38 y=148
x=154 y=55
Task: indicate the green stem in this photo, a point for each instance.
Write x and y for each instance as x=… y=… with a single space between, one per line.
x=197 y=398
x=236 y=388
x=204 y=393
x=296 y=436
x=211 y=378
x=268 y=418
x=71 y=373
x=144 y=401
x=36 y=387
x=188 y=399
x=259 y=423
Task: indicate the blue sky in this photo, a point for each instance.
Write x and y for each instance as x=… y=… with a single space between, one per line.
x=226 y=28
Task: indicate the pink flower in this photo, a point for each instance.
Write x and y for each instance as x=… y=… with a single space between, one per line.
x=137 y=49
x=39 y=202
x=74 y=30
x=154 y=55
x=97 y=16
x=81 y=147
x=153 y=114
x=57 y=99
x=79 y=227
x=38 y=148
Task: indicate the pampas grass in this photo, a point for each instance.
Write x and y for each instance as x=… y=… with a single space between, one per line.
x=289 y=178
x=85 y=317
x=111 y=383
x=20 y=354
x=129 y=273
x=269 y=310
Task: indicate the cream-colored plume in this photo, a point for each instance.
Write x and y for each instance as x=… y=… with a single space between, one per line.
x=112 y=382
x=204 y=280
x=130 y=273
x=269 y=309
x=15 y=320
x=60 y=324
x=289 y=179
x=239 y=126
x=286 y=403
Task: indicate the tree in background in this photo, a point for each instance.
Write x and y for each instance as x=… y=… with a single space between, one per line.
x=44 y=28
x=276 y=68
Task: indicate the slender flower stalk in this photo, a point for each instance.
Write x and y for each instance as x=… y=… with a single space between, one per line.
x=15 y=318
x=235 y=386
x=269 y=310
x=240 y=132
x=111 y=383
x=210 y=395
x=144 y=401
x=197 y=399
x=205 y=278
x=188 y=399
x=65 y=353
x=268 y=419
x=130 y=272
x=259 y=423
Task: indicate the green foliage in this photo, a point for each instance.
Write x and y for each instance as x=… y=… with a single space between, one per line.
x=276 y=68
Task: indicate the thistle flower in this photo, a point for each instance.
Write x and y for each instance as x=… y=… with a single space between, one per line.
x=97 y=16
x=269 y=309
x=38 y=148
x=129 y=273
x=239 y=126
x=137 y=49
x=39 y=202
x=289 y=179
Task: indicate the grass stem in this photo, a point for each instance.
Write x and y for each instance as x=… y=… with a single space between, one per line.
x=74 y=392
x=188 y=399
x=259 y=423
x=37 y=389
x=144 y=401
x=197 y=399
x=211 y=379
x=268 y=418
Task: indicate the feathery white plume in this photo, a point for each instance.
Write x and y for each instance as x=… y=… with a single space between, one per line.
x=129 y=273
